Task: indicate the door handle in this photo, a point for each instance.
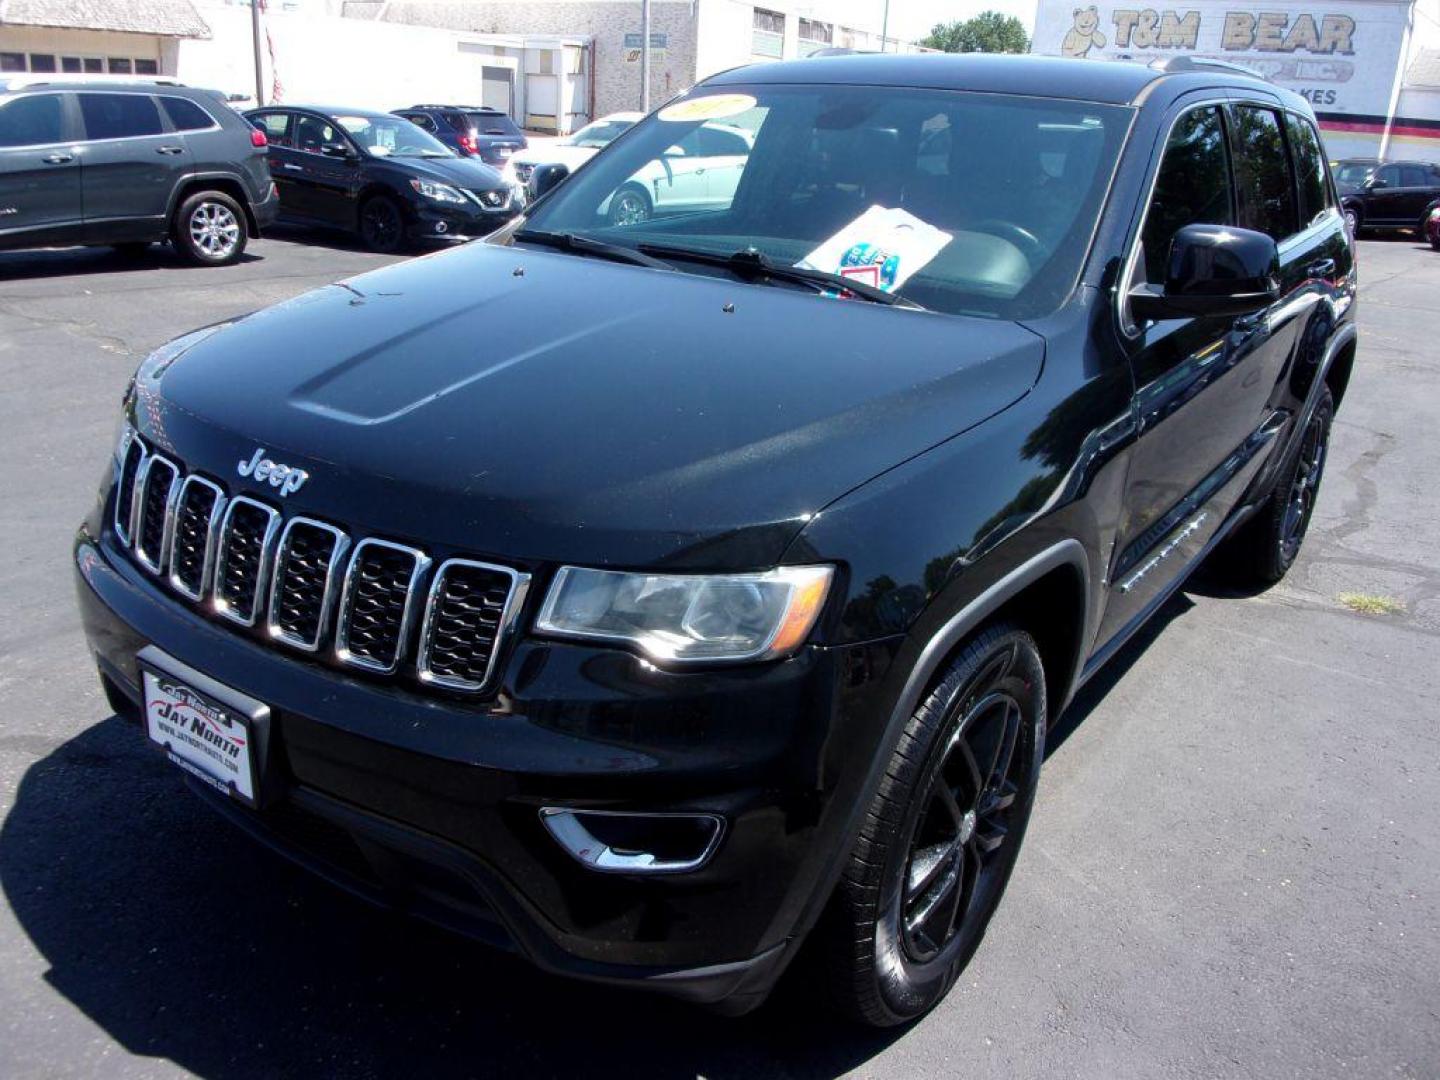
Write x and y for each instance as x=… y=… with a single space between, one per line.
x=57 y=159
x=293 y=168
x=169 y=149
x=1322 y=268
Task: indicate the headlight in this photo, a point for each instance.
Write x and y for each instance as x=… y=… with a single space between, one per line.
x=689 y=617
x=439 y=192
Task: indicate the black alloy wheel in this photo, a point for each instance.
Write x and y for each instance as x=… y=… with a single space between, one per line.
x=382 y=228
x=940 y=839
x=1266 y=546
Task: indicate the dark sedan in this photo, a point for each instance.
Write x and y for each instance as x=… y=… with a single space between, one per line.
x=380 y=176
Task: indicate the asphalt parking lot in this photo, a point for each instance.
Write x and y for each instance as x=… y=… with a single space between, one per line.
x=1233 y=869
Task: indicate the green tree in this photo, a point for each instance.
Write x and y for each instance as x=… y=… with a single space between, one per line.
x=988 y=32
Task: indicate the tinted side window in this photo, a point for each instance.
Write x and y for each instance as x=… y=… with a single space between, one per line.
x=1413 y=176
x=186 y=115
x=276 y=127
x=1192 y=187
x=1388 y=175
x=311 y=133
x=1309 y=169
x=421 y=120
x=119 y=116
x=32 y=121
x=1262 y=172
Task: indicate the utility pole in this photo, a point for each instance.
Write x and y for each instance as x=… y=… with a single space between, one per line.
x=645 y=55
x=885 y=26
x=255 y=37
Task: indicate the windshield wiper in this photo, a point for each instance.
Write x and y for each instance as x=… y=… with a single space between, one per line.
x=752 y=263
x=584 y=245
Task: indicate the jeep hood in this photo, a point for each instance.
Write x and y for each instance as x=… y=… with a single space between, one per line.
x=536 y=405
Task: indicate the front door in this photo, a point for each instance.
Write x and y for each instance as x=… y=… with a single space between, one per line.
x=326 y=178
x=1202 y=384
x=39 y=171
x=132 y=165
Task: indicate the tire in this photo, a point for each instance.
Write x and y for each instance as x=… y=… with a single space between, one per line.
x=1266 y=546
x=382 y=225
x=925 y=845
x=1352 y=220
x=209 y=229
x=630 y=206
x=1435 y=242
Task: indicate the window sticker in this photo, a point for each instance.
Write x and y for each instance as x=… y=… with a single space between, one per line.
x=882 y=247
x=709 y=107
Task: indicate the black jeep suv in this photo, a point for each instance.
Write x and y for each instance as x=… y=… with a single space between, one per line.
x=379 y=176
x=1395 y=195
x=720 y=596
x=127 y=163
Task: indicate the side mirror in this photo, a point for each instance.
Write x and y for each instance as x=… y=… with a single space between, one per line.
x=1375 y=182
x=1213 y=270
x=336 y=150
x=545 y=178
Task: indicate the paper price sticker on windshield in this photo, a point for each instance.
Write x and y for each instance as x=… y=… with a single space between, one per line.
x=881 y=247
x=710 y=107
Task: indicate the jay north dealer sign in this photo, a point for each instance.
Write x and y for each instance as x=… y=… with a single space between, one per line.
x=1342 y=57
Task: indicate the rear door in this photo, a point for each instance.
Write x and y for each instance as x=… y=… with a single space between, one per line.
x=286 y=167
x=1384 y=197
x=132 y=165
x=1416 y=191
x=40 y=199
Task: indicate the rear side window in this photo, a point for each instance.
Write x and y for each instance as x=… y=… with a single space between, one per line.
x=186 y=115
x=33 y=120
x=1310 y=183
x=276 y=127
x=488 y=123
x=1413 y=176
x=119 y=116
x=1192 y=187
x=1262 y=172
x=421 y=120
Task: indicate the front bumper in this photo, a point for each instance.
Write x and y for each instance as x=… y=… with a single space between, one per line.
x=431 y=804
x=449 y=221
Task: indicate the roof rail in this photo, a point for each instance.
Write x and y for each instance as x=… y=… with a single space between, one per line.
x=841 y=50
x=462 y=108
x=18 y=82
x=1171 y=65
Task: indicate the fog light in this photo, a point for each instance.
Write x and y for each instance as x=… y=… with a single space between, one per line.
x=441 y=227
x=623 y=842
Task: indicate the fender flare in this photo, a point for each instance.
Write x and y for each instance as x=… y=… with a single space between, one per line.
x=1065 y=553
x=191 y=178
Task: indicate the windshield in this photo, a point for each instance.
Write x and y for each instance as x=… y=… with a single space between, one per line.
x=600 y=133
x=392 y=136
x=1353 y=174
x=960 y=202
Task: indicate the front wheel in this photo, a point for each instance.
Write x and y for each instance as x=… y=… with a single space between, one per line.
x=941 y=836
x=1352 y=220
x=382 y=227
x=209 y=229
x=630 y=206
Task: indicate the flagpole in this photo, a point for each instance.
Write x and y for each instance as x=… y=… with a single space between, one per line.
x=255 y=36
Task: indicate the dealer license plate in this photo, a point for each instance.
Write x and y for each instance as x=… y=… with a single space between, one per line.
x=205 y=737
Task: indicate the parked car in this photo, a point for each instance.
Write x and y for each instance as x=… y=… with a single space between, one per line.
x=697 y=172
x=1396 y=195
x=572 y=151
x=1351 y=173
x=127 y=163
x=470 y=130
x=378 y=176
x=654 y=598
x=1432 y=228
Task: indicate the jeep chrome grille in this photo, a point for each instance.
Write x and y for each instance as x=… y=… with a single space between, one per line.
x=303 y=583
x=470 y=605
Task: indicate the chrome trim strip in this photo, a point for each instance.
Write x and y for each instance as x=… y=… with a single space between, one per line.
x=207 y=564
x=130 y=438
x=222 y=549
x=514 y=602
x=142 y=490
x=567 y=828
x=327 y=596
x=421 y=563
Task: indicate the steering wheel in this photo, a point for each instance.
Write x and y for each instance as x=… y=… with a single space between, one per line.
x=1028 y=243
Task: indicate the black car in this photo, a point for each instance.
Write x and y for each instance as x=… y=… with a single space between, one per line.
x=1395 y=195
x=470 y=130
x=128 y=163
x=719 y=596
x=379 y=176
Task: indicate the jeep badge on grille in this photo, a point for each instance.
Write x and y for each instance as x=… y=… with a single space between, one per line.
x=284 y=477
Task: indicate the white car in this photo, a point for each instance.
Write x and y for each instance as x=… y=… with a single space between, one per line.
x=572 y=151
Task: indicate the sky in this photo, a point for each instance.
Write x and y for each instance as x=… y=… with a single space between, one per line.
x=913 y=18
